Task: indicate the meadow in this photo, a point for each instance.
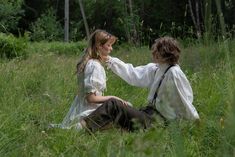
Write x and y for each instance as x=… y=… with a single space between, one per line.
x=39 y=90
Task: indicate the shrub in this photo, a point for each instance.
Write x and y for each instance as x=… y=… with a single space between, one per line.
x=75 y=48
x=47 y=27
x=11 y=47
x=59 y=48
x=10 y=14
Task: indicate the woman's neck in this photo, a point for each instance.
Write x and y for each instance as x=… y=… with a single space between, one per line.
x=103 y=59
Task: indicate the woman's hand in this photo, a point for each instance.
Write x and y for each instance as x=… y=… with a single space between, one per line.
x=123 y=101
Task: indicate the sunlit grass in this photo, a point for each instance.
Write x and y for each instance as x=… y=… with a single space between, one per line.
x=39 y=90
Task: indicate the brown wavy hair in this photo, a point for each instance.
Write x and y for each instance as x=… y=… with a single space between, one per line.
x=167 y=50
x=98 y=37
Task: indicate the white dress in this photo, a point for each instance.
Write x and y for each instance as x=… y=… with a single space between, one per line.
x=93 y=80
x=175 y=95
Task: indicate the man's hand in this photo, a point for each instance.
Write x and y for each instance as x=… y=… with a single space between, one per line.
x=105 y=58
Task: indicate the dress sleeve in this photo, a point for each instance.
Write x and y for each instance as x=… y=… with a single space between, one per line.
x=141 y=76
x=95 y=80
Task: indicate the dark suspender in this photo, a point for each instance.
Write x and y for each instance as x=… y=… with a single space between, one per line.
x=156 y=94
x=160 y=82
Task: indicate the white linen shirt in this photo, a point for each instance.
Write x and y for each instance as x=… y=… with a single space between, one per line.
x=175 y=95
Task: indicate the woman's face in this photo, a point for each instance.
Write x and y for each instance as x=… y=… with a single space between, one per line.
x=105 y=49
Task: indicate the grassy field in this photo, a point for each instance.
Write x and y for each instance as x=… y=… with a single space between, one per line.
x=39 y=90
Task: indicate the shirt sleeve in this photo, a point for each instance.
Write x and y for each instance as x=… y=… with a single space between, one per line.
x=141 y=76
x=183 y=89
x=94 y=78
x=176 y=96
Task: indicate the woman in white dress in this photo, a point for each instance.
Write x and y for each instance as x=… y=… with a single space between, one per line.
x=91 y=80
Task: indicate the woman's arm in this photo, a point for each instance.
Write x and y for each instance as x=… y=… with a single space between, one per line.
x=92 y=98
x=141 y=76
x=95 y=81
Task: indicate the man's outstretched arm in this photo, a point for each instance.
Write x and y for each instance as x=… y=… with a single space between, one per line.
x=140 y=76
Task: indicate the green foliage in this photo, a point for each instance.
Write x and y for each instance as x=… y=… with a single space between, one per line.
x=10 y=14
x=47 y=27
x=75 y=33
x=39 y=90
x=11 y=47
x=150 y=19
x=60 y=48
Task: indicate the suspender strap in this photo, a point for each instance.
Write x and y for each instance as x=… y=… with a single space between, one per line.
x=156 y=93
x=155 y=96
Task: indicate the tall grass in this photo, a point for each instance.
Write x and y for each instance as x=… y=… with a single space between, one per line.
x=39 y=90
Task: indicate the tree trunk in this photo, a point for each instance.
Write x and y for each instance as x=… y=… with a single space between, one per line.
x=208 y=20
x=84 y=19
x=221 y=18
x=196 y=17
x=133 y=26
x=126 y=23
x=66 y=21
x=199 y=31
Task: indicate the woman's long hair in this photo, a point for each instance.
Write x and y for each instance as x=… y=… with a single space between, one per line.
x=97 y=38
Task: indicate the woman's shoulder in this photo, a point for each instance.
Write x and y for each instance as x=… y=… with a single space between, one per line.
x=92 y=63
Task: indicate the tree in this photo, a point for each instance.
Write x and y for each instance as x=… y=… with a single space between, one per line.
x=133 y=30
x=132 y=21
x=196 y=14
x=10 y=14
x=221 y=17
x=66 y=20
x=208 y=19
x=47 y=27
x=84 y=19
